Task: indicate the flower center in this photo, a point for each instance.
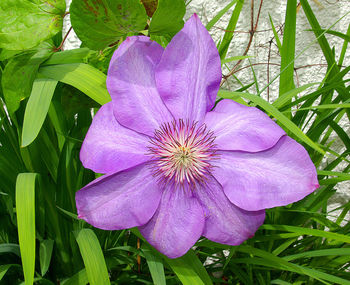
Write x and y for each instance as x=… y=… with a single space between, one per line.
x=182 y=151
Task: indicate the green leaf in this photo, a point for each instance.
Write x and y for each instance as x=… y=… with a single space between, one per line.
x=92 y=255
x=239 y=57
x=278 y=42
x=45 y=253
x=10 y=248
x=219 y=15
x=79 y=278
x=288 y=49
x=275 y=113
x=82 y=76
x=68 y=56
x=101 y=23
x=168 y=18
x=3 y=270
x=308 y=231
x=25 y=208
x=25 y=24
x=286 y=97
x=189 y=269
x=19 y=75
x=37 y=108
x=225 y=43
x=155 y=265
x=334 y=33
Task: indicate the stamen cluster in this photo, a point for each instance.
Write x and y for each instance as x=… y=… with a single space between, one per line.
x=182 y=152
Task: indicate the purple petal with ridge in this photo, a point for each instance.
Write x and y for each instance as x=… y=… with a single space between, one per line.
x=121 y=200
x=276 y=177
x=131 y=83
x=238 y=127
x=177 y=224
x=189 y=73
x=109 y=147
x=224 y=222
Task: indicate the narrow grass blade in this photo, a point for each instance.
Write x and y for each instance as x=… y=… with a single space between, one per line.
x=3 y=270
x=319 y=253
x=275 y=113
x=45 y=253
x=37 y=108
x=93 y=258
x=239 y=57
x=278 y=42
x=308 y=231
x=286 y=97
x=10 y=248
x=225 y=43
x=155 y=265
x=213 y=21
x=82 y=76
x=288 y=49
x=25 y=208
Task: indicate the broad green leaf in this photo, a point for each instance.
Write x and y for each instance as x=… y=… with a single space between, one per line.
x=155 y=265
x=79 y=278
x=168 y=18
x=25 y=209
x=24 y=24
x=82 y=76
x=37 y=108
x=19 y=75
x=150 y=6
x=93 y=258
x=45 y=253
x=101 y=23
x=219 y=15
x=288 y=49
x=290 y=126
x=225 y=43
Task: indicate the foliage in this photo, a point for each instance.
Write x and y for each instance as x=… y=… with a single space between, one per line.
x=47 y=96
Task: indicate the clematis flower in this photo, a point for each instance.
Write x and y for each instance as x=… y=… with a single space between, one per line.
x=175 y=167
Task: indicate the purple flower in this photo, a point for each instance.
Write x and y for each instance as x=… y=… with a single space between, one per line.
x=174 y=167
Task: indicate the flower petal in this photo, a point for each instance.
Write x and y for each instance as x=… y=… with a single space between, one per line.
x=278 y=176
x=189 y=73
x=109 y=147
x=238 y=127
x=225 y=222
x=121 y=200
x=177 y=224
x=131 y=83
